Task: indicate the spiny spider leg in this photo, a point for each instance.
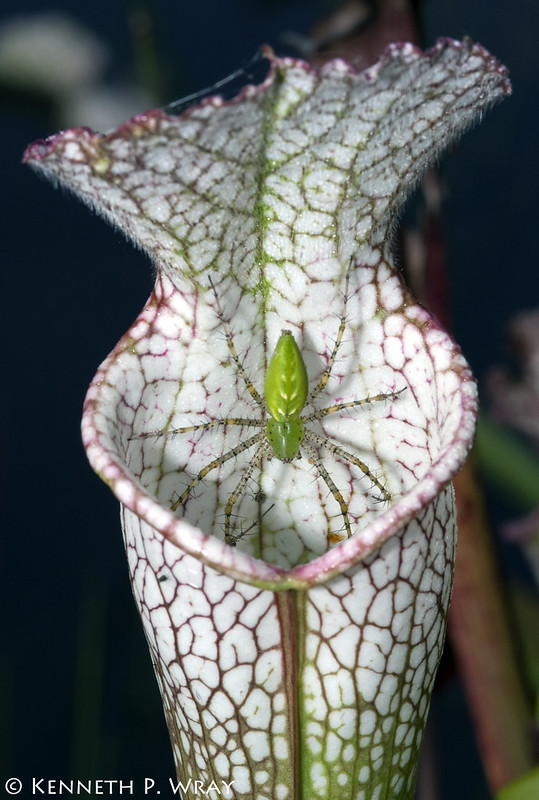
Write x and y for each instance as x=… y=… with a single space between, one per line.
x=239 y=489
x=230 y=342
x=335 y=450
x=323 y=412
x=242 y=533
x=217 y=462
x=327 y=372
x=253 y=423
x=322 y=471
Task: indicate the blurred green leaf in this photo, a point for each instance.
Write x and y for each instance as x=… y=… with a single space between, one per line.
x=508 y=463
x=525 y=788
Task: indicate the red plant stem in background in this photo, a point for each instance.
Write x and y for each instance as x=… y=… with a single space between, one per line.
x=483 y=645
x=372 y=27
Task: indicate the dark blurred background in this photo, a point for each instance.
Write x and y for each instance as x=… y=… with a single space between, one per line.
x=77 y=692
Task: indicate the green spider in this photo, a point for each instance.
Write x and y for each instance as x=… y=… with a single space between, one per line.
x=283 y=433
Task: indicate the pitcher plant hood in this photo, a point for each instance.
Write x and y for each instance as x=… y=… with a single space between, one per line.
x=267 y=215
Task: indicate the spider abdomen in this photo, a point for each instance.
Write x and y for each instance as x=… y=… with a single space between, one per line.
x=286 y=382
x=285 y=388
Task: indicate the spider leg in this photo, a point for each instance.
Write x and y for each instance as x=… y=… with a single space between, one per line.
x=335 y=450
x=323 y=412
x=217 y=462
x=246 y=532
x=202 y=426
x=326 y=477
x=233 y=352
x=230 y=538
x=327 y=372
